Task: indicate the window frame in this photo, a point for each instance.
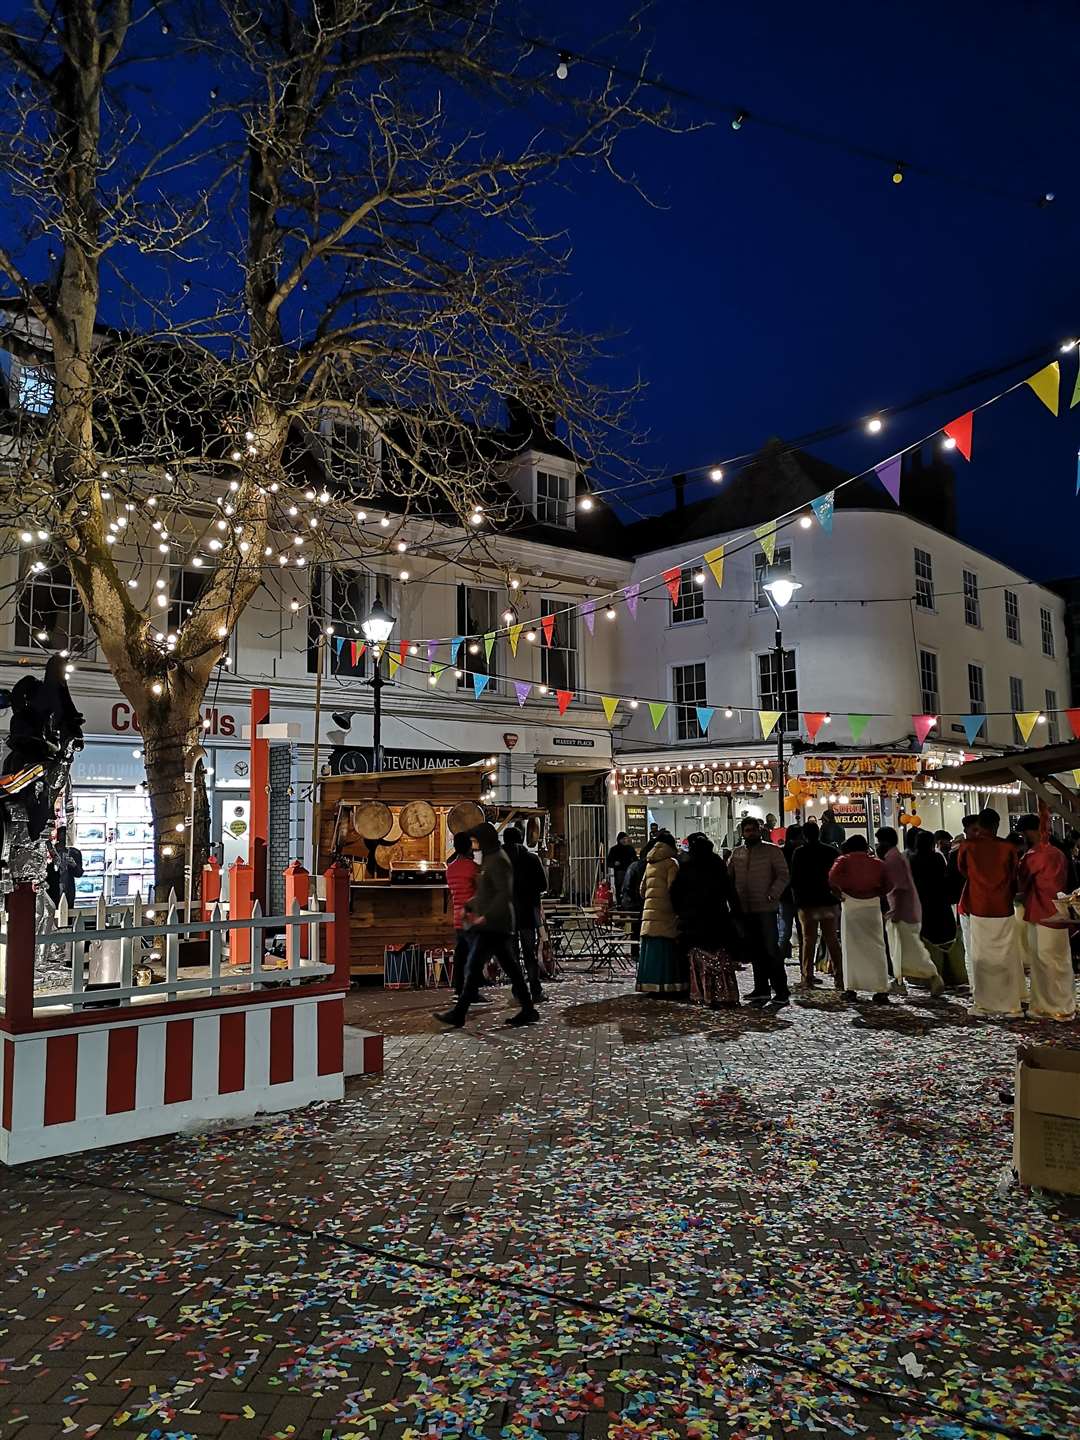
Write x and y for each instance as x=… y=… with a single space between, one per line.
x=336 y=664
x=684 y=716
x=976 y=707
x=1011 y=595
x=1046 y=632
x=1016 y=704
x=563 y=477
x=972 y=599
x=1050 y=710
x=924 y=584
x=567 y=643
x=781 y=558
x=83 y=646
x=688 y=586
x=480 y=663
x=789 y=712
x=924 y=689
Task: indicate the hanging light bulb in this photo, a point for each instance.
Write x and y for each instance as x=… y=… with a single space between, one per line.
x=699 y=577
x=898 y=173
x=716 y=474
x=873 y=425
x=805 y=521
x=634 y=704
x=728 y=712
x=609 y=613
x=949 y=443
x=739 y=119
x=586 y=502
x=562 y=69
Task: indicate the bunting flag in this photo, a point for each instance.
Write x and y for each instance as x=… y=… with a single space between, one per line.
x=515 y=637
x=547 y=624
x=673 y=579
x=403 y=650
x=1076 y=778
x=432 y=647
x=767 y=720
x=857 y=724
x=704 y=716
x=813 y=720
x=339 y=645
x=715 y=561
x=564 y=697
x=923 y=725
x=588 y=614
x=630 y=595
x=437 y=669
x=1076 y=392
x=1025 y=722
x=521 y=690
x=489 y=643
x=1047 y=383
x=353 y=655
x=972 y=725
x=393 y=664
x=455 y=648
x=610 y=704
x=960 y=431
x=1073 y=717
x=823 y=508
x=657 y=709
x=479 y=684
x=766 y=534
x=889 y=474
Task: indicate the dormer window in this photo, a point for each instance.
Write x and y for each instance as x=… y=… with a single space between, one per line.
x=554 y=499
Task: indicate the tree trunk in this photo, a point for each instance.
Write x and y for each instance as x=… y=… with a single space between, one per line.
x=169 y=730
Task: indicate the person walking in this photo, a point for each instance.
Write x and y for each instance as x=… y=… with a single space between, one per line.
x=787 y=919
x=760 y=875
x=662 y=969
x=462 y=873
x=1044 y=874
x=530 y=884
x=989 y=866
x=619 y=859
x=489 y=916
x=859 y=879
x=815 y=902
x=903 y=918
x=930 y=871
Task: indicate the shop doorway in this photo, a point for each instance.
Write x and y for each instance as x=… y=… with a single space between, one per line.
x=232 y=822
x=586 y=834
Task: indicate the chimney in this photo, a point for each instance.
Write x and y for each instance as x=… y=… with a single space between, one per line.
x=678 y=485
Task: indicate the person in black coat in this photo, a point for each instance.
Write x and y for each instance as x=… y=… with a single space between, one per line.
x=619 y=859
x=65 y=867
x=704 y=900
x=530 y=884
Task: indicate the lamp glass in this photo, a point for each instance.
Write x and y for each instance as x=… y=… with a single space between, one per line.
x=781 y=585
x=378 y=624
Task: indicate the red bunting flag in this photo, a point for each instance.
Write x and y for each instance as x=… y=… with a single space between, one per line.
x=564 y=697
x=923 y=725
x=960 y=431
x=1073 y=717
x=672 y=579
x=403 y=650
x=813 y=720
x=547 y=623
x=353 y=653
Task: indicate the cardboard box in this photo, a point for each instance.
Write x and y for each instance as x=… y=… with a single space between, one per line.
x=1046 y=1128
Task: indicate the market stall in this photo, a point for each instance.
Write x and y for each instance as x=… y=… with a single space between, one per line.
x=395 y=832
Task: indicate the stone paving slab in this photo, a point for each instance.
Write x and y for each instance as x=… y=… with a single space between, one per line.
x=633 y=1219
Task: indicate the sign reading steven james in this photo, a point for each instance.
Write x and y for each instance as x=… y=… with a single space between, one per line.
x=736 y=776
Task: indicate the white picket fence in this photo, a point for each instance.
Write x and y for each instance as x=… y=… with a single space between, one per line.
x=140 y=937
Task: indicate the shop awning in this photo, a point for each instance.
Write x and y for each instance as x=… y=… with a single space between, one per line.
x=1037 y=769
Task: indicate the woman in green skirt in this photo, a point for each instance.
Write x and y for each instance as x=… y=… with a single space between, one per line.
x=662 y=969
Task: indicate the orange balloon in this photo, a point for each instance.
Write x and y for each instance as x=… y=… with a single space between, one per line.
x=790 y=802
x=916 y=820
x=794 y=785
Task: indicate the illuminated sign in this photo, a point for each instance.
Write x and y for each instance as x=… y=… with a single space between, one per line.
x=729 y=775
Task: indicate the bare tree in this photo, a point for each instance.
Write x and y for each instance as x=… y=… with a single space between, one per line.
x=327 y=281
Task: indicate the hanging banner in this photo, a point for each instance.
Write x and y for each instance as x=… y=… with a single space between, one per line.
x=631 y=595
x=547 y=624
x=521 y=690
x=610 y=704
x=857 y=724
x=1047 y=384
x=766 y=534
x=436 y=670
x=1073 y=717
x=564 y=697
x=889 y=475
x=960 y=431
x=479 y=684
x=1026 y=720
x=657 y=709
x=813 y=720
x=432 y=647
x=489 y=642
x=673 y=579
x=588 y=614
x=972 y=724
x=455 y=648
x=923 y=725
x=823 y=508
x=768 y=719
x=515 y=636
x=393 y=664
x=715 y=561
x=704 y=715
x=403 y=650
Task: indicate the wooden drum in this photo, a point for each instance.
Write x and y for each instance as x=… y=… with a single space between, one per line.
x=372 y=820
x=465 y=816
x=417 y=819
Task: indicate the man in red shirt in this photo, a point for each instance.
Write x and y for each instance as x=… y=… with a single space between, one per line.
x=1044 y=874
x=461 y=878
x=859 y=879
x=989 y=867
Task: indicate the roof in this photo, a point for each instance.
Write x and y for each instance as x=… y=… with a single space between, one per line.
x=1041 y=762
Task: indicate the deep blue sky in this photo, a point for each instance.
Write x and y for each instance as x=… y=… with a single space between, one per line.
x=783 y=286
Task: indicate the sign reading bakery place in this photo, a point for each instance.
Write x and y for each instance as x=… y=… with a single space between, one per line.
x=746 y=779
x=358 y=760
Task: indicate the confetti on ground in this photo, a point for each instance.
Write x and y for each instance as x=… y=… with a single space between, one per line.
x=633 y=1220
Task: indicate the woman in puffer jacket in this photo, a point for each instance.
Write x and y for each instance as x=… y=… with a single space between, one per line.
x=662 y=969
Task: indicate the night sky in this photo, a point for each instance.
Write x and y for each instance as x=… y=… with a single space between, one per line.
x=785 y=286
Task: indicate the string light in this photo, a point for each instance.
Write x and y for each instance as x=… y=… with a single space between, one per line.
x=805 y=522
x=609 y=613
x=873 y=425
x=716 y=474
x=562 y=69
x=585 y=503
x=699 y=577
x=739 y=119
x=898 y=173
x=949 y=443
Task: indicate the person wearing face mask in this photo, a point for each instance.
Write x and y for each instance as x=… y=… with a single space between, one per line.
x=760 y=875
x=903 y=918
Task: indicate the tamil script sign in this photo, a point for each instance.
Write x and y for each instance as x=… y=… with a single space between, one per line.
x=735 y=777
x=842 y=767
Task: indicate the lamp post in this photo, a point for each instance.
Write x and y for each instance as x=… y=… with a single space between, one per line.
x=195 y=757
x=780 y=585
x=376 y=627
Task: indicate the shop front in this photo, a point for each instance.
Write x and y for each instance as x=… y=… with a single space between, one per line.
x=685 y=796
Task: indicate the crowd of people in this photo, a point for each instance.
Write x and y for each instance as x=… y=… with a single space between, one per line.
x=942 y=912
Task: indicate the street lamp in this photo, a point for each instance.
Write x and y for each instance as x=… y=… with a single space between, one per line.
x=376 y=627
x=779 y=586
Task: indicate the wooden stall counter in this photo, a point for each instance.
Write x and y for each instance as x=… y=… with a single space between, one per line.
x=395 y=831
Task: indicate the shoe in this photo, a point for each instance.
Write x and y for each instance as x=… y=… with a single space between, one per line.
x=456 y=1018
x=779 y=1001
x=483 y=1000
x=523 y=1017
x=540 y=999
x=757 y=996
x=848 y=995
x=881 y=998
x=937 y=988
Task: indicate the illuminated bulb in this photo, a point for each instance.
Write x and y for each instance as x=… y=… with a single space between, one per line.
x=414 y=650
x=151 y=500
x=699 y=577
x=1041 y=720
x=805 y=521
x=26 y=537
x=294 y=606
x=586 y=502
x=403 y=575
x=110 y=539
x=167 y=850
x=828 y=719
x=728 y=712
x=739 y=119
x=1068 y=345
x=249 y=434
x=213 y=544
x=206 y=726
x=329 y=630
x=268 y=550
x=562 y=69
x=283 y=559
x=474 y=648
x=301 y=562
x=457 y=674
x=42 y=634
x=229 y=509
x=293 y=511
x=136 y=754
x=898 y=173
x=609 y=613
x=515 y=584
x=133 y=584
x=222 y=631
x=508 y=617
x=157 y=688
x=432 y=679
x=530 y=635
x=245 y=546
x=324 y=498
x=234 y=485
x=298 y=540
x=162 y=600
x=163 y=548
x=543 y=689
x=949 y=443
x=235 y=455
x=402 y=546
x=385 y=521
x=120 y=522
x=313 y=523
x=44 y=534
x=873 y=426
x=361 y=516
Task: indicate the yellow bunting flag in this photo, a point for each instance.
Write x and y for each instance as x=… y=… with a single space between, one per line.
x=1046 y=383
x=657 y=709
x=610 y=704
x=768 y=720
x=1076 y=778
x=515 y=636
x=767 y=535
x=1025 y=722
x=394 y=663
x=715 y=561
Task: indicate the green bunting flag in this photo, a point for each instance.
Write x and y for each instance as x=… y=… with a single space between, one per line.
x=657 y=709
x=857 y=724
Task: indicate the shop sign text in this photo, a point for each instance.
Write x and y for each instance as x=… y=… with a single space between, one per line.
x=123 y=719
x=739 y=777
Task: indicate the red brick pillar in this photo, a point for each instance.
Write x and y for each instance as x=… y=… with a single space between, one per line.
x=338 y=944
x=21 y=930
x=298 y=888
x=241 y=899
x=259 y=821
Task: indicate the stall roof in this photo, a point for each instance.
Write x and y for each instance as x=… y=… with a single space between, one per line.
x=1037 y=769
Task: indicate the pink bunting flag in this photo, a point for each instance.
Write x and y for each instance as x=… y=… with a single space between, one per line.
x=631 y=594
x=889 y=475
x=588 y=614
x=923 y=725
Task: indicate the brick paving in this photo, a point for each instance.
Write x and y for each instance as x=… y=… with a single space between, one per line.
x=633 y=1219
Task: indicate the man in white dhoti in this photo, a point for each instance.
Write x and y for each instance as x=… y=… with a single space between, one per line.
x=989 y=867
x=859 y=879
x=1043 y=875
x=910 y=957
